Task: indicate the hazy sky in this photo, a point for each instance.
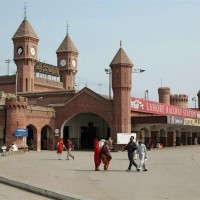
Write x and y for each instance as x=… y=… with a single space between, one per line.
x=162 y=37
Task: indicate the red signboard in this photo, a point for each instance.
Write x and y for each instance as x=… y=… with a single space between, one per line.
x=141 y=105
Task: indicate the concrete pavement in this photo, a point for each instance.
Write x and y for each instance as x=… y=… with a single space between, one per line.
x=9 y=193
x=173 y=174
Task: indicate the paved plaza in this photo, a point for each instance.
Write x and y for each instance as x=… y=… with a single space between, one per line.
x=173 y=174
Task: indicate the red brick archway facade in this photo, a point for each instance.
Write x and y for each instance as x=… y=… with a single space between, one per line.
x=88 y=102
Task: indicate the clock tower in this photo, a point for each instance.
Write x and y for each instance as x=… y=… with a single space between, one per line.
x=25 y=43
x=67 y=56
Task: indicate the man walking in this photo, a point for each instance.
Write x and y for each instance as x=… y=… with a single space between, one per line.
x=142 y=153
x=131 y=147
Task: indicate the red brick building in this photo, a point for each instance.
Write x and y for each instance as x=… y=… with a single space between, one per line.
x=42 y=98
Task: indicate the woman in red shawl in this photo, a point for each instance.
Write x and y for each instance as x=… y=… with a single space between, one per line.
x=60 y=147
x=97 y=157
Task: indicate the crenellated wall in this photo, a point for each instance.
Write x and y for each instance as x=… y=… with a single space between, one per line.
x=180 y=100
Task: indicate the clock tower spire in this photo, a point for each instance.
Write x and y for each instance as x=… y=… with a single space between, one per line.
x=67 y=55
x=25 y=43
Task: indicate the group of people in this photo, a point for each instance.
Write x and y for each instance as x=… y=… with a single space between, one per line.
x=60 y=147
x=102 y=154
x=138 y=148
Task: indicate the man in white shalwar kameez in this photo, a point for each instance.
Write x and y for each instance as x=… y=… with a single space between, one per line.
x=142 y=154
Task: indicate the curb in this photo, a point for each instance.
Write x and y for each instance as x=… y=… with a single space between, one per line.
x=36 y=190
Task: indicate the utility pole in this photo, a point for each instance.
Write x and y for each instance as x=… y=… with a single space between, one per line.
x=8 y=62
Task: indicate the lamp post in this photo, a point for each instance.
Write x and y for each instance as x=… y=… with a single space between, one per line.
x=146 y=95
x=195 y=101
x=108 y=71
x=138 y=70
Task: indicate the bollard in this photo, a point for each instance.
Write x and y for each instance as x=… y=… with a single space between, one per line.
x=4 y=150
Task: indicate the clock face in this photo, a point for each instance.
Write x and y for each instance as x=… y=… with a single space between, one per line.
x=19 y=50
x=73 y=63
x=63 y=62
x=32 y=51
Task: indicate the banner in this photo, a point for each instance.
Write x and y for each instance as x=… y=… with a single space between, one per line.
x=141 y=105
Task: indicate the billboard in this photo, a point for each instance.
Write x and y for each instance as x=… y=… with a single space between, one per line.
x=124 y=138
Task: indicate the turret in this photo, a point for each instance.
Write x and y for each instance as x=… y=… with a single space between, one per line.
x=180 y=100
x=121 y=67
x=198 y=95
x=15 y=116
x=164 y=95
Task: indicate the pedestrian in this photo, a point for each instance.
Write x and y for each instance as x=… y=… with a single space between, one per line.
x=97 y=157
x=13 y=147
x=158 y=145
x=101 y=142
x=69 y=146
x=142 y=154
x=131 y=147
x=60 y=147
x=105 y=155
x=195 y=141
x=110 y=143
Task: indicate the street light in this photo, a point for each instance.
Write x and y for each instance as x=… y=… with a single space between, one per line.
x=146 y=95
x=138 y=70
x=195 y=101
x=108 y=71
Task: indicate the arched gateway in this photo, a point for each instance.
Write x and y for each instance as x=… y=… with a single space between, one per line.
x=83 y=123
x=83 y=128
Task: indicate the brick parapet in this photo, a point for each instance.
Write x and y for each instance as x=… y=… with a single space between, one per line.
x=16 y=102
x=180 y=100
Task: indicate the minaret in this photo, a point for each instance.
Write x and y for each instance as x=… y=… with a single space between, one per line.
x=25 y=43
x=121 y=67
x=67 y=56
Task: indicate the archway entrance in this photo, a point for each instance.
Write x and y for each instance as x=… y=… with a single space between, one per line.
x=83 y=128
x=88 y=134
x=45 y=138
x=30 y=138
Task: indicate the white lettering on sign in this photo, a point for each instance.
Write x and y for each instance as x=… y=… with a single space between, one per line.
x=141 y=105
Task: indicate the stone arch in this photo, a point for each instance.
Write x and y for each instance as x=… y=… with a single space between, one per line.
x=2 y=139
x=32 y=137
x=162 y=137
x=83 y=127
x=88 y=99
x=189 y=137
x=178 y=137
x=145 y=135
x=183 y=138
x=46 y=133
x=198 y=137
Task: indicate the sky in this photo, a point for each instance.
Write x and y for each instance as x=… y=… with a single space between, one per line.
x=160 y=36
